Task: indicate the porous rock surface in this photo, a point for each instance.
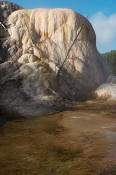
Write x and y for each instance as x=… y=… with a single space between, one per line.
x=41 y=40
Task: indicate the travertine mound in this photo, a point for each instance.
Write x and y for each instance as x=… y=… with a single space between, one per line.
x=108 y=89
x=55 y=58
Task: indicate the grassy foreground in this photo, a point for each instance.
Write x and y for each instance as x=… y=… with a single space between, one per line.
x=50 y=145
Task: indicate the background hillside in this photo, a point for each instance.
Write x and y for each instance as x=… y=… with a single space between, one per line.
x=110 y=57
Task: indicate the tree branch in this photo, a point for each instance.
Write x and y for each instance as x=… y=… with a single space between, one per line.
x=3 y=26
x=58 y=73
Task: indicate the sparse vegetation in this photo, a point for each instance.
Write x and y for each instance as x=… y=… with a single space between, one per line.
x=45 y=146
x=97 y=106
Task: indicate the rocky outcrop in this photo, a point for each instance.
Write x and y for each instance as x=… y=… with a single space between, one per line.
x=53 y=57
x=6 y=8
x=108 y=89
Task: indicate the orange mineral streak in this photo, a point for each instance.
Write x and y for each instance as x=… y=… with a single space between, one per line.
x=73 y=58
